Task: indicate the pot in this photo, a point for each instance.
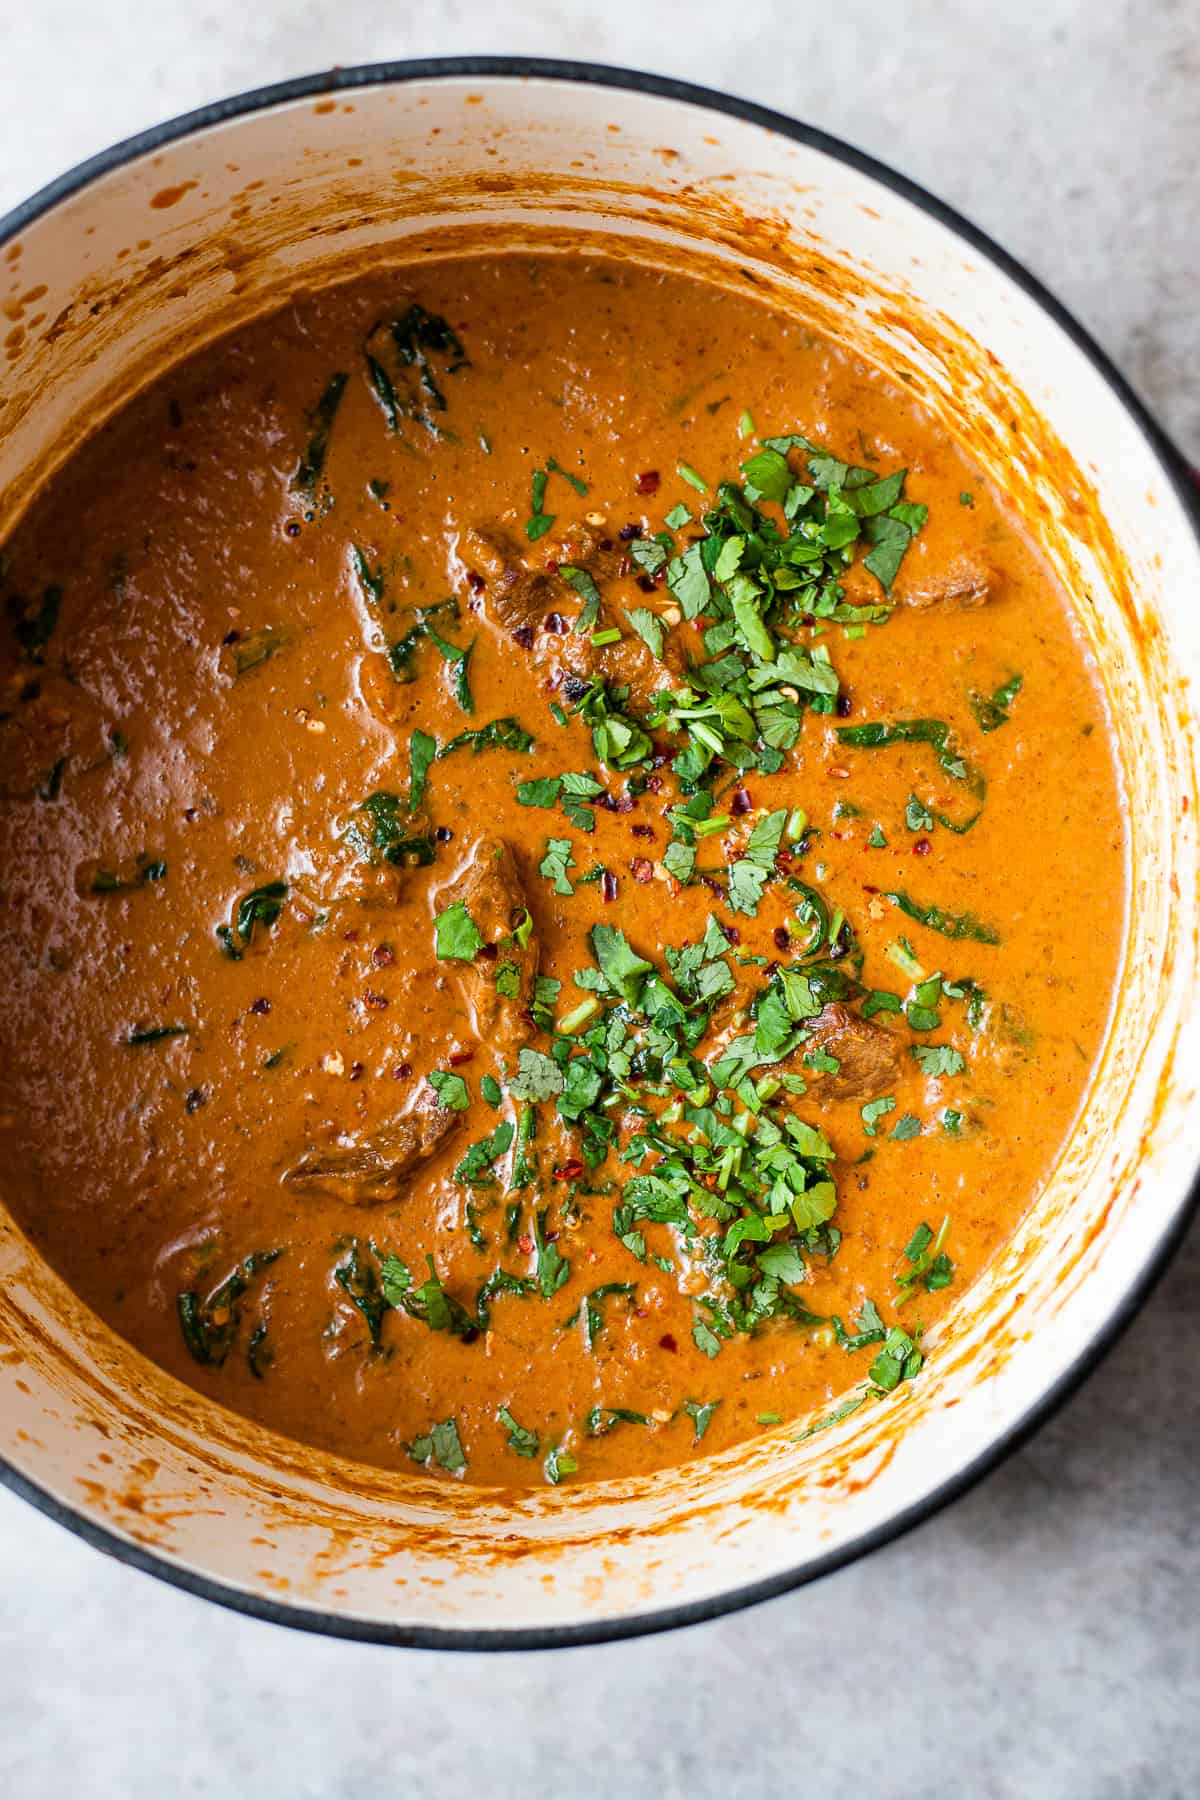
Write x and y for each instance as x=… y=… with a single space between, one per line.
x=155 y=247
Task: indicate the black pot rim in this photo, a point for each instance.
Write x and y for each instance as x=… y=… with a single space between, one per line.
x=312 y=1619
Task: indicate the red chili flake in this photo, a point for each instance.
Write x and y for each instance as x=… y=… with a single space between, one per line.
x=667 y=1342
x=642 y=831
x=524 y=636
x=475 y=582
x=261 y=1005
x=624 y=803
x=486 y=953
x=654 y=784
x=921 y=847
x=569 y=1171
x=383 y=956
x=731 y=934
x=551 y=566
x=525 y=1244
x=627 y=533
x=605 y=544
x=642 y=869
x=648 y=481
x=783 y=862
x=843 y=707
x=867 y=889
x=555 y=623
x=371 y=998
x=714 y=887
x=740 y=802
x=769 y=969
x=356 y=1071
x=457 y=1058
x=782 y=937
x=660 y=759
x=647 y=583
x=808 y=618
x=607 y=801
x=402 y=1071
x=608 y=885
x=351 y=936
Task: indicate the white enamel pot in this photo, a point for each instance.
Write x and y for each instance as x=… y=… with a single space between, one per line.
x=152 y=248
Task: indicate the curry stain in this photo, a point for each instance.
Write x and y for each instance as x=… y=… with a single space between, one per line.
x=171 y=196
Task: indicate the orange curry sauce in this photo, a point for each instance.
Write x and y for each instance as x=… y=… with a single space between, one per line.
x=223 y=999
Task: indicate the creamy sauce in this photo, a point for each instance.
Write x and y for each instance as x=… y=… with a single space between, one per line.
x=223 y=999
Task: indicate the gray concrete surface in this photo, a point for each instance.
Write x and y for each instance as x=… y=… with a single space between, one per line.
x=1040 y=1639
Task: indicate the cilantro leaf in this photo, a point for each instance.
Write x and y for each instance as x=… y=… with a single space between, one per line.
x=456 y=934
x=649 y=628
x=750 y=874
x=938 y=1059
x=559 y=857
x=543 y=792
x=451 y=1089
x=687 y=579
x=524 y=1442
x=874 y=1110
x=621 y=966
x=701 y=1415
x=422 y=749
x=538 y=1077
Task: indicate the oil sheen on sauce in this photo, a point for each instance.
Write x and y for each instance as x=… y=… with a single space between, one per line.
x=238 y=626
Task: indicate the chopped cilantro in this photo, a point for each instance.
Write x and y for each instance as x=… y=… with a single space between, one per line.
x=456 y=934
x=874 y=1110
x=524 y=1442
x=543 y=792
x=938 y=1059
x=538 y=1076
x=907 y=1126
x=950 y=925
x=992 y=710
x=559 y=857
x=442 y=1445
x=451 y=1089
x=422 y=749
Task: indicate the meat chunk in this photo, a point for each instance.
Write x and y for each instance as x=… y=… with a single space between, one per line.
x=868 y=1055
x=517 y=597
x=521 y=598
x=498 y=985
x=966 y=582
x=369 y=1169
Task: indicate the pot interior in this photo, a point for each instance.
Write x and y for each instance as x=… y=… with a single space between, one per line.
x=187 y=238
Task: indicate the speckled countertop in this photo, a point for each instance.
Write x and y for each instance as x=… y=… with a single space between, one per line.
x=1040 y=1639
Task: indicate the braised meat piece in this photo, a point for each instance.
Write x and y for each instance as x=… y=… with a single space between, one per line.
x=966 y=582
x=522 y=599
x=868 y=1055
x=517 y=597
x=498 y=985
x=369 y=1169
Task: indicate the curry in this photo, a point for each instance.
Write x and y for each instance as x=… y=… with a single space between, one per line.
x=562 y=869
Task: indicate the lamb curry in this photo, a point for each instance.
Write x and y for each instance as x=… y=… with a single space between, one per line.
x=562 y=872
